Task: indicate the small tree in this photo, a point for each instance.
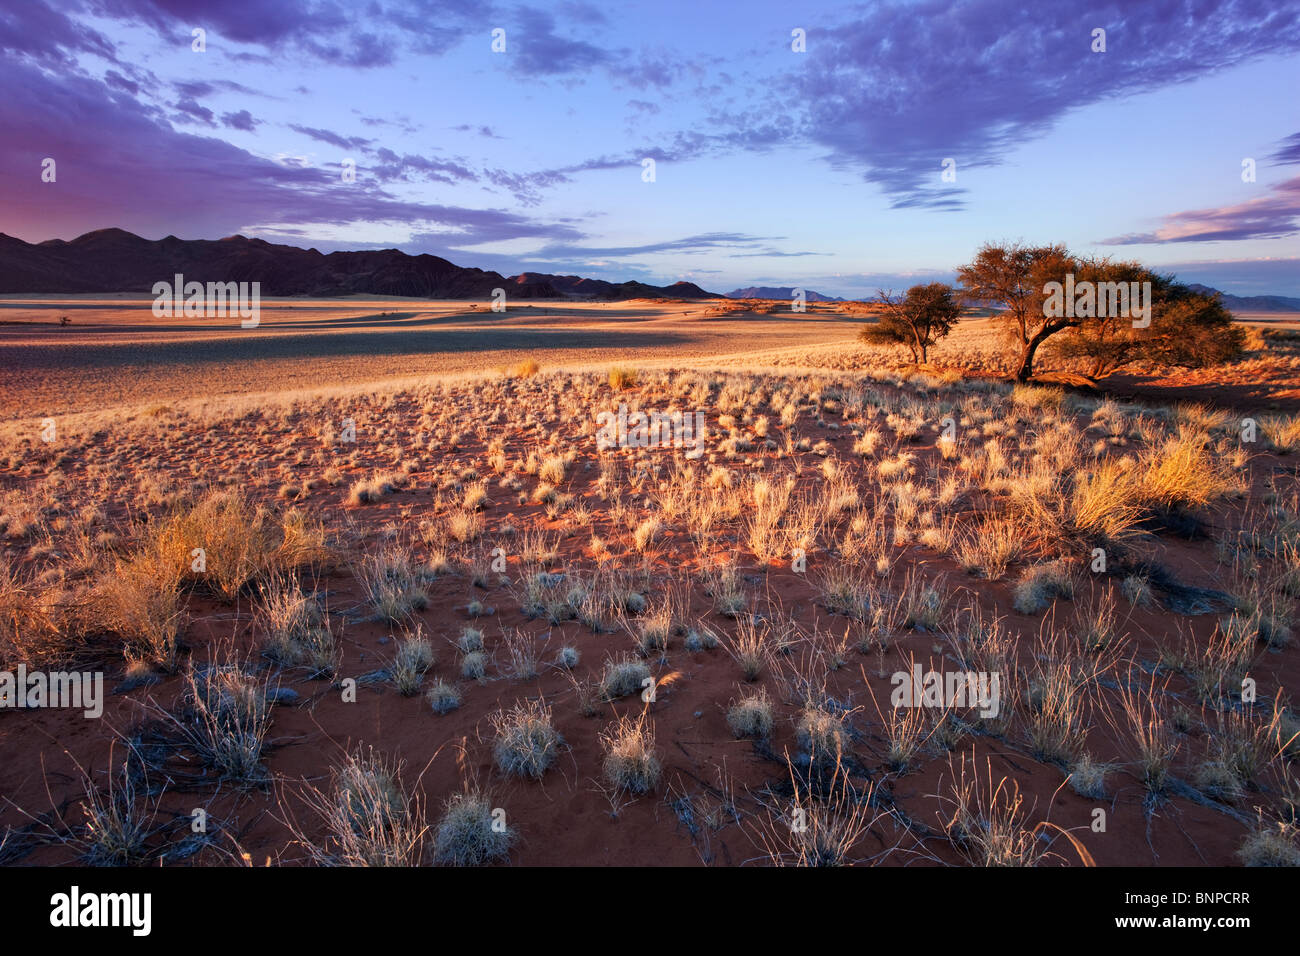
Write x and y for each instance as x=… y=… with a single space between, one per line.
x=918 y=320
x=1014 y=277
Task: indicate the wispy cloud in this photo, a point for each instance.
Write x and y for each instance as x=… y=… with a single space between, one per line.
x=1269 y=217
x=895 y=90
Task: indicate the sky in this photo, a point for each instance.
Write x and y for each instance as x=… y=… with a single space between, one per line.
x=835 y=147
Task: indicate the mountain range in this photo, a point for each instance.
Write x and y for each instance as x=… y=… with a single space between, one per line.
x=1250 y=303
x=779 y=292
x=114 y=260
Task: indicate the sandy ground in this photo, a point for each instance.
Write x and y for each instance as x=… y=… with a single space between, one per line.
x=717 y=792
x=116 y=352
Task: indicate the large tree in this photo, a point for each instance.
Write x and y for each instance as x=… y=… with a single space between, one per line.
x=918 y=320
x=1185 y=327
x=1015 y=278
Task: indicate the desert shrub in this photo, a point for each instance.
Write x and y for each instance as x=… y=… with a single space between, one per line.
x=751 y=716
x=412 y=657
x=621 y=378
x=443 y=697
x=369 y=819
x=622 y=677
x=1041 y=584
x=526 y=740
x=468 y=834
x=1271 y=846
x=393 y=583
x=297 y=630
x=630 y=760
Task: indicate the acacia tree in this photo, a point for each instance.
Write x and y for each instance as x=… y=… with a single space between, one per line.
x=1014 y=276
x=1187 y=328
x=918 y=320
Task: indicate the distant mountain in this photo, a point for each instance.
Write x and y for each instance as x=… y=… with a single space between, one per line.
x=1250 y=303
x=113 y=260
x=599 y=288
x=779 y=292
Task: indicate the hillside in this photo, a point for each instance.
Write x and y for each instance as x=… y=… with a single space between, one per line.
x=113 y=260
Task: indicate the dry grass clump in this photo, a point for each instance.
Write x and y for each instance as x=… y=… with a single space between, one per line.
x=989 y=824
x=723 y=585
x=525 y=369
x=751 y=716
x=1276 y=845
x=631 y=764
x=1088 y=777
x=1104 y=507
x=526 y=740
x=225 y=717
x=239 y=542
x=622 y=677
x=221 y=542
x=367 y=491
x=1182 y=473
x=471 y=832
x=443 y=697
x=297 y=628
x=1153 y=738
x=393 y=582
x=412 y=657
x=821 y=825
x=1055 y=722
x=34 y=630
x=473 y=666
x=821 y=734
x=752 y=646
x=621 y=378
x=140 y=603
x=1041 y=584
x=924 y=605
x=989 y=548
x=117 y=828
x=369 y=820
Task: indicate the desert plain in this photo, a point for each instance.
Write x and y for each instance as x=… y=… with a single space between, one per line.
x=365 y=588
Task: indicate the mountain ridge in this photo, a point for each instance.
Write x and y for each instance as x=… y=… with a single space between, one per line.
x=115 y=260
x=1249 y=303
x=779 y=292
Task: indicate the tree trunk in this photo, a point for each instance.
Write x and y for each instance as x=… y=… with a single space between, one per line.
x=1026 y=370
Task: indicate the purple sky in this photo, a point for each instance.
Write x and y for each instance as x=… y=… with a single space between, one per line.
x=822 y=168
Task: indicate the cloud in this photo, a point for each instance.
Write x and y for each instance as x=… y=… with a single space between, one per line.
x=689 y=245
x=536 y=49
x=1289 y=152
x=389 y=167
x=775 y=254
x=484 y=131
x=38 y=33
x=190 y=111
x=332 y=139
x=121 y=164
x=363 y=36
x=899 y=88
x=1269 y=217
x=243 y=120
